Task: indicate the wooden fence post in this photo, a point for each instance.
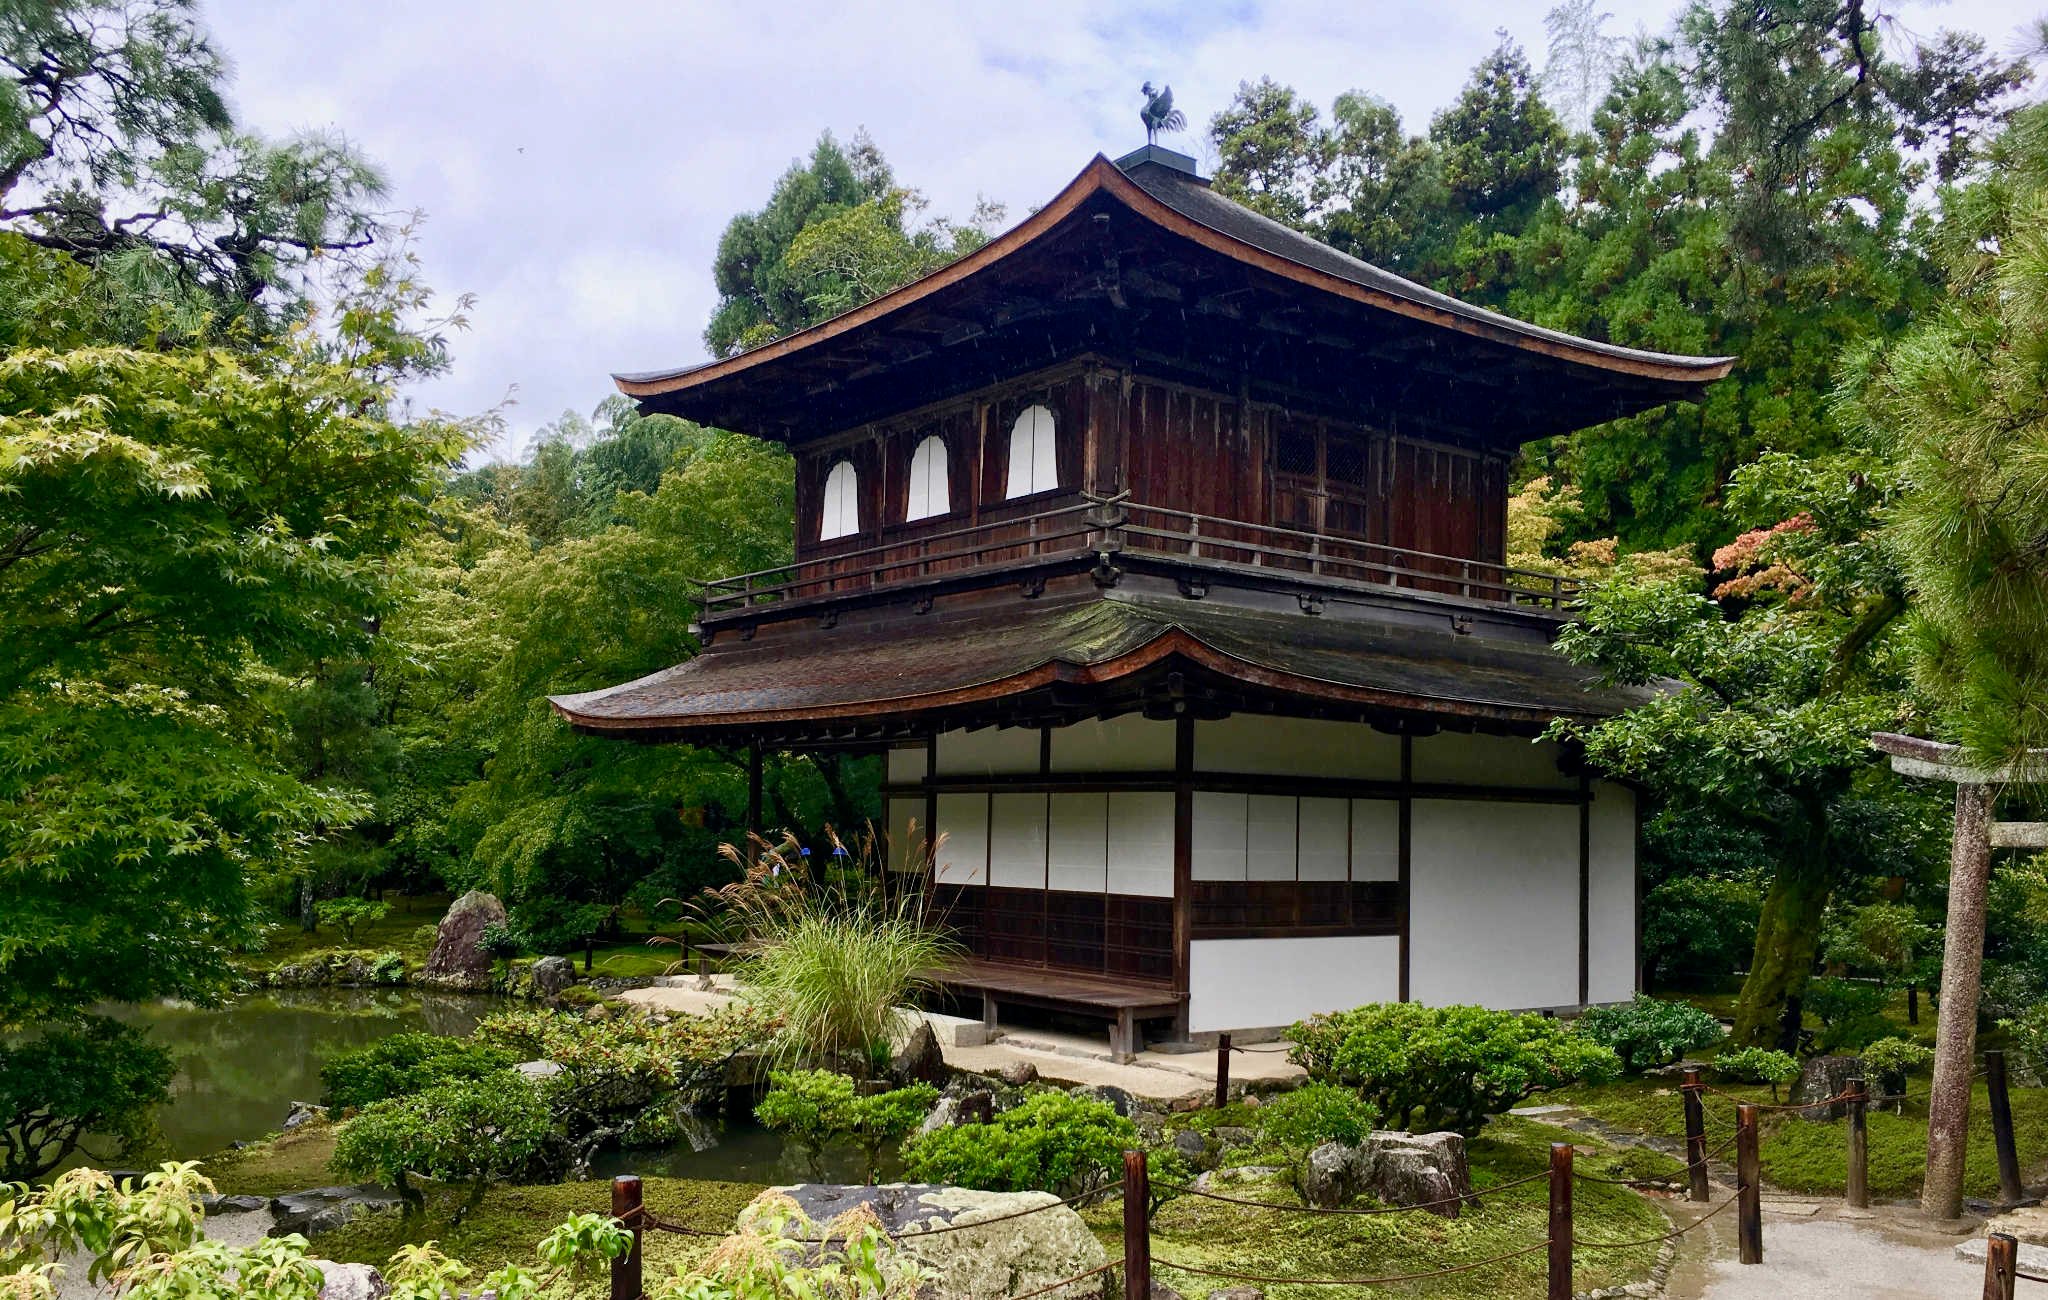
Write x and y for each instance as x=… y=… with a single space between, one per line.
x=1560 y=1222
x=2001 y=1265
x=1137 y=1227
x=1222 y=1071
x=1695 y=1137
x=2010 y=1190
x=626 y=1283
x=1859 y=1146
x=1749 y=1215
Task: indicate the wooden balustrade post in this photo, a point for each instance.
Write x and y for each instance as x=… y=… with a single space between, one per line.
x=1222 y=1071
x=2001 y=1265
x=1137 y=1227
x=1695 y=1137
x=1560 y=1275
x=1859 y=1146
x=1749 y=1215
x=2010 y=1190
x=626 y=1208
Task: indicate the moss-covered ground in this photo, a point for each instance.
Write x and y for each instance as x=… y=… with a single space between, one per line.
x=286 y=1162
x=1273 y=1243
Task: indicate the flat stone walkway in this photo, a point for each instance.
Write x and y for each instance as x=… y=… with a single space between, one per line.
x=1058 y=1057
x=1815 y=1248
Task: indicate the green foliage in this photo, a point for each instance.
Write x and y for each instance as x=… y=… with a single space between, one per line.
x=768 y=1260
x=348 y=913
x=687 y=1054
x=1699 y=927
x=1890 y=1060
x=817 y=1108
x=832 y=959
x=403 y=1064
x=1851 y=1012
x=1050 y=1142
x=1444 y=1067
x=554 y=925
x=74 y=1079
x=1887 y=941
x=495 y=1126
x=1758 y=1065
x=2027 y=1036
x=1649 y=1032
x=1296 y=1123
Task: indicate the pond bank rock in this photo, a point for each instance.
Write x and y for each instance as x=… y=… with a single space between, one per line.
x=350 y=1281
x=459 y=960
x=1011 y=1257
x=323 y=1209
x=1394 y=1168
x=552 y=975
x=1823 y=1077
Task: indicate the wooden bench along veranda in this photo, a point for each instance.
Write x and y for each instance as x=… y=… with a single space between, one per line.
x=1122 y=1002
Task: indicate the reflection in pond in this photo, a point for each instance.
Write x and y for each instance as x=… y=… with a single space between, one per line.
x=739 y=1151
x=241 y=1066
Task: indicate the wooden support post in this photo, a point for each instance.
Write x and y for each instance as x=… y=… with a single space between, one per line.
x=2009 y=1189
x=753 y=799
x=2001 y=1265
x=1695 y=1137
x=1913 y=1003
x=626 y=1206
x=1222 y=1071
x=1749 y=1215
x=1859 y=1146
x=1560 y=1275
x=1955 y=1035
x=1137 y=1227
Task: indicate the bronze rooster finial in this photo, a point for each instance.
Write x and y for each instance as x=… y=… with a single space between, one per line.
x=1159 y=114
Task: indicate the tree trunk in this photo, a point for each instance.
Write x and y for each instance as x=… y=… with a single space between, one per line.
x=1955 y=1033
x=1787 y=940
x=309 y=917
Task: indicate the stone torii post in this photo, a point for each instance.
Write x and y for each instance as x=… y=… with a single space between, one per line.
x=1962 y=958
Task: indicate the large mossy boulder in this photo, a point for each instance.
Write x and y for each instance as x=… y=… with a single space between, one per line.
x=1394 y=1168
x=459 y=960
x=1010 y=1257
x=1821 y=1078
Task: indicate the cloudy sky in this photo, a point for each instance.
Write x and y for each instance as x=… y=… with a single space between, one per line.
x=576 y=162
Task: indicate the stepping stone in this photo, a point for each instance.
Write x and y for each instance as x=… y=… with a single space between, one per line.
x=1796 y=1209
x=1532 y=1111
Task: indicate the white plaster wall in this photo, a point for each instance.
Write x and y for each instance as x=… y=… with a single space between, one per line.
x=962 y=858
x=1078 y=857
x=1375 y=839
x=1494 y=904
x=1462 y=758
x=1611 y=895
x=1256 y=743
x=1131 y=743
x=1261 y=983
x=1140 y=843
x=1324 y=839
x=907 y=765
x=1269 y=837
x=1217 y=849
x=1016 y=831
x=991 y=751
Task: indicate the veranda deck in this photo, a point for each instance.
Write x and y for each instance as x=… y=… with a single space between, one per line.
x=1125 y=1003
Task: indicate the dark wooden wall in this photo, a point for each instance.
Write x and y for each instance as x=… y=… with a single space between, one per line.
x=1170 y=446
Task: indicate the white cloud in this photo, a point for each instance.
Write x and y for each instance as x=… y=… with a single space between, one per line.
x=577 y=162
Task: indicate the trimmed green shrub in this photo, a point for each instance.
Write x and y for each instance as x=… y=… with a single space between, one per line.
x=1445 y=1067
x=1298 y=1122
x=470 y=1130
x=1649 y=1032
x=1758 y=1065
x=1851 y=1013
x=1051 y=1142
x=817 y=1108
x=1890 y=1060
x=404 y=1064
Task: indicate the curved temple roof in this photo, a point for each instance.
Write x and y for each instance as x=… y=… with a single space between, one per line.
x=1178 y=205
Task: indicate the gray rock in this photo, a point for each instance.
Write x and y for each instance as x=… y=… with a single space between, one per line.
x=214 y=1205
x=1018 y=1073
x=1232 y=1135
x=539 y=1069
x=350 y=1281
x=977 y=1107
x=458 y=959
x=1116 y=1098
x=551 y=975
x=1012 y=1257
x=323 y=1209
x=1823 y=1077
x=1161 y=1291
x=921 y=1058
x=1235 y=1174
x=1334 y=1175
x=1445 y=1151
x=1400 y=1176
x=944 y=1115
x=1238 y=1293
x=303 y=1112
x=1191 y=1145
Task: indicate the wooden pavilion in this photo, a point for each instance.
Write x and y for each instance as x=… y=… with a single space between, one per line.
x=1161 y=547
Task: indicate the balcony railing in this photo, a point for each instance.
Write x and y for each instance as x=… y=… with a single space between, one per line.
x=1112 y=526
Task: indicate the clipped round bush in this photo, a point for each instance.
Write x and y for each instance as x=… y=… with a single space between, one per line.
x=1890 y=1060
x=406 y=1063
x=1757 y=1065
x=1427 y=1068
x=470 y=1130
x=1298 y=1122
x=1649 y=1032
x=1051 y=1142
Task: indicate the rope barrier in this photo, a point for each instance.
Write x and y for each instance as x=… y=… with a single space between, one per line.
x=647 y=1219
x=1673 y=1235
x=1000 y=1218
x=1837 y=1099
x=1312 y=1209
x=1078 y=1277
x=1258 y=1280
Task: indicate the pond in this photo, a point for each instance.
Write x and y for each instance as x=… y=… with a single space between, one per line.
x=240 y=1067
